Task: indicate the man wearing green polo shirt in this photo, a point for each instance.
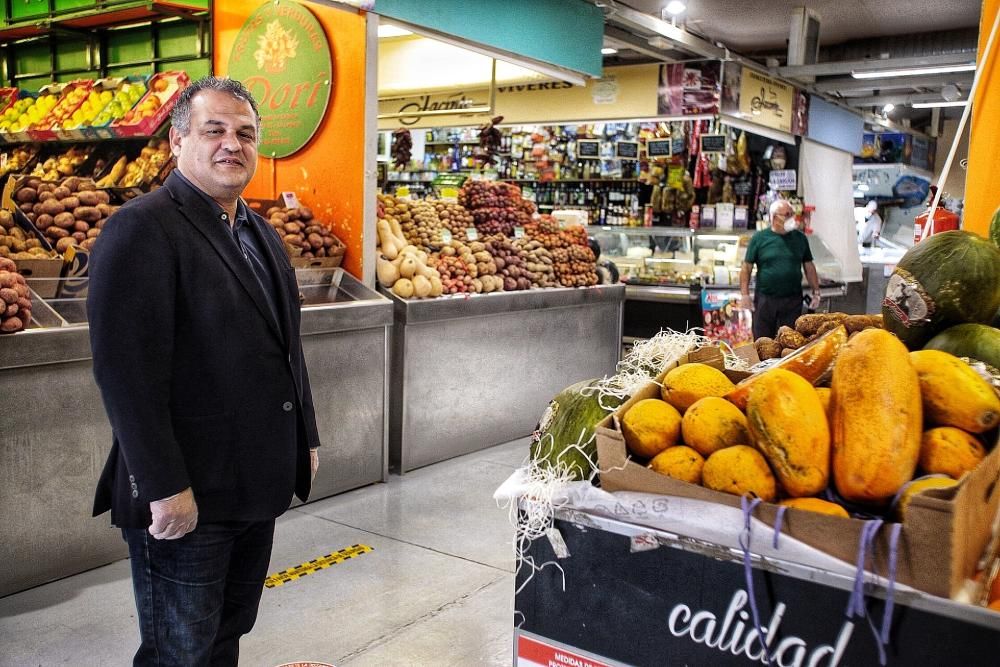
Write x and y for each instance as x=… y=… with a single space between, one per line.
x=780 y=252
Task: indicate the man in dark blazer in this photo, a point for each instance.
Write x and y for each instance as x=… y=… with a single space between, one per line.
x=194 y=326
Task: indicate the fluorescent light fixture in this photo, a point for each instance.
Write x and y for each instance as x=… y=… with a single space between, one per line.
x=608 y=51
x=675 y=7
x=888 y=108
x=933 y=105
x=912 y=71
x=388 y=30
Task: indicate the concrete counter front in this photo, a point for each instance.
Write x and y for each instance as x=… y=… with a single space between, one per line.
x=471 y=372
x=55 y=436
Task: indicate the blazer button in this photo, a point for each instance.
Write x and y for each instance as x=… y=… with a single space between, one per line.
x=287 y=406
x=135 y=494
x=131 y=478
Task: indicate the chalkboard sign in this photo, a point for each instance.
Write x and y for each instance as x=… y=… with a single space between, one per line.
x=713 y=143
x=588 y=149
x=742 y=187
x=659 y=147
x=627 y=150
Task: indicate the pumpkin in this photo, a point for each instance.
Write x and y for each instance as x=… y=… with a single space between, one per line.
x=976 y=341
x=947 y=279
x=570 y=418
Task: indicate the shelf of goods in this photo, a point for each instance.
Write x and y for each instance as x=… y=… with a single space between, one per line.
x=836 y=504
x=345 y=337
x=493 y=312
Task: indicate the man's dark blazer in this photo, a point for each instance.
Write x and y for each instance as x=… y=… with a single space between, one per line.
x=202 y=387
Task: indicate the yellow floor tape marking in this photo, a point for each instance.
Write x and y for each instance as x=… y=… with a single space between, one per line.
x=293 y=573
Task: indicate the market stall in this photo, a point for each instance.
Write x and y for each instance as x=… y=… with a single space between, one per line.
x=468 y=373
x=835 y=503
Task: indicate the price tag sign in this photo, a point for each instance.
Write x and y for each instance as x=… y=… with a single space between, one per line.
x=782 y=179
x=446 y=236
x=449 y=193
x=471 y=233
x=519 y=232
x=403 y=191
x=289 y=200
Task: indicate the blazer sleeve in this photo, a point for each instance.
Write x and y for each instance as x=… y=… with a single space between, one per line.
x=131 y=310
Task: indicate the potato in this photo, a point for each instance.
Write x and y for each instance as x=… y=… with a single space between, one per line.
x=293 y=228
x=62 y=192
x=279 y=215
x=46 y=187
x=64 y=244
x=26 y=207
x=88 y=244
x=305 y=213
x=789 y=337
x=271 y=211
x=43 y=221
x=88 y=198
x=292 y=214
x=105 y=209
x=93 y=233
x=103 y=197
x=767 y=348
x=72 y=183
x=81 y=226
x=64 y=220
x=54 y=232
x=52 y=207
x=25 y=195
x=45 y=196
x=315 y=240
x=70 y=202
x=79 y=236
x=87 y=213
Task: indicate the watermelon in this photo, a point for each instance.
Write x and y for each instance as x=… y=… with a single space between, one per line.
x=947 y=279
x=976 y=341
x=567 y=415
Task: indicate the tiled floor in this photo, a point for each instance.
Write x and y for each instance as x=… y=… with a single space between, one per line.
x=436 y=590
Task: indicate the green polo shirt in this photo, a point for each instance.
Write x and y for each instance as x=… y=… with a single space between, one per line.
x=779 y=259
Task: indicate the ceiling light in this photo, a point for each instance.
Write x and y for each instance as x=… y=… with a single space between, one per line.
x=675 y=7
x=912 y=71
x=888 y=108
x=608 y=51
x=388 y=30
x=932 y=105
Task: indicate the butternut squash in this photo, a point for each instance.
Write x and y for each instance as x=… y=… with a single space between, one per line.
x=788 y=426
x=811 y=361
x=953 y=394
x=387 y=272
x=877 y=417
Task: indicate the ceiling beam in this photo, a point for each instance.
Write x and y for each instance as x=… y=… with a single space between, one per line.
x=850 y=84
x=618 y=14
x=622 y=39
x=848 y=66
x=881 y=100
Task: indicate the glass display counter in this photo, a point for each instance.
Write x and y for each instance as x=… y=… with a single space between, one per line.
x=666 y=268
x=56 y=436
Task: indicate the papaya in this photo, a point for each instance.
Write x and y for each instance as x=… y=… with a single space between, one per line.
x=650 y=426
x=679 y=462
x=947 y=450
x=788 y=426
x=686 y=384
x=916 y=487
x=714 y=423
x=811 y=361
x=739 y=470
x=953 y=394
x=877 y=417
x=817 y=505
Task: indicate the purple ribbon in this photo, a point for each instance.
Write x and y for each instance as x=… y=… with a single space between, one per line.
x=748 y=505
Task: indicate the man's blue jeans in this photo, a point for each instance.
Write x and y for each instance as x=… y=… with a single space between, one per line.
x=197 y=595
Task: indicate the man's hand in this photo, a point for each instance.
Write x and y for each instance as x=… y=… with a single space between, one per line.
x=313 y=463
x=814 y=301
x=174 y=517
x=746 y=303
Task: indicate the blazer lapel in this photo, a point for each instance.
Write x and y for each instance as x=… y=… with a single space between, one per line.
x=279 y=268
x=199 y=214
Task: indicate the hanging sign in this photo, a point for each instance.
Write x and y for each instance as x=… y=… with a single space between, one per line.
x=659 y=147
x=713 y=143
x=282 y=56
x=766 y=101
x=588 y=149
x=627 y=150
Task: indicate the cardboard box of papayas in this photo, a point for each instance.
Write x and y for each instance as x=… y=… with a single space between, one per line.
x=943 y=536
